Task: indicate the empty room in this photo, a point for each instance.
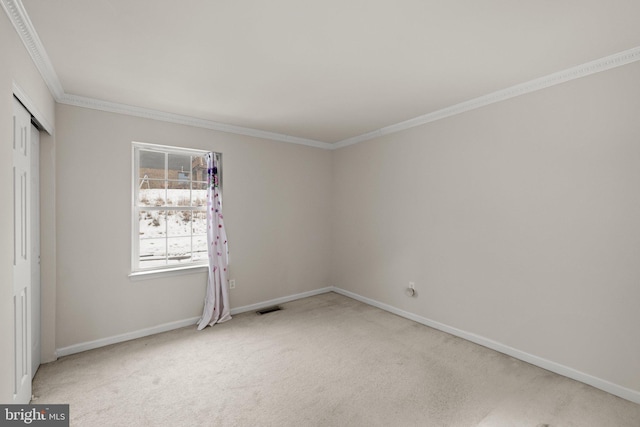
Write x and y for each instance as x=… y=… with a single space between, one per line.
x=285 y=213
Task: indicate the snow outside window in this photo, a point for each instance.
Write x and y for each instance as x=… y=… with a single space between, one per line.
x=169 y=208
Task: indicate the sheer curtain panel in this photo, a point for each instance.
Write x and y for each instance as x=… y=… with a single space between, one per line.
x=216 y=303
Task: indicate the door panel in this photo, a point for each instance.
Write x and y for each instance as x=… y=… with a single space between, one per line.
x=21 y=255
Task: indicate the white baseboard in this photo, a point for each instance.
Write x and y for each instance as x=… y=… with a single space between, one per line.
x=90 y=345
x=609 y=387
x=281 y=300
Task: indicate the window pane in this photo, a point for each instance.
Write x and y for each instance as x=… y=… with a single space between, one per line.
x=179 y=167
x=178 y=196
x=151 y=165
x=152 y=224
x=179 y=223
x=200 y=248
x=152 y=196
x=153 y=252
x=199 y=222
x=199 y=194
x=179 y=249
x=199 y=168
x=151 y=184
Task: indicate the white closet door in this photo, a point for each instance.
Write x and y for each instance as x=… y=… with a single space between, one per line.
x=21 y=254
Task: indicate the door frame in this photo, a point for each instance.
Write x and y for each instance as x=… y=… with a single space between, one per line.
x=36 y=311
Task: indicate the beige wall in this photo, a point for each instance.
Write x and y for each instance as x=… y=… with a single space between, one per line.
x=16 y=66
x=275 y=201
x=518 y=222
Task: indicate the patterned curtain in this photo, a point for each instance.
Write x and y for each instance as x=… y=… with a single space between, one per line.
x=216 y=303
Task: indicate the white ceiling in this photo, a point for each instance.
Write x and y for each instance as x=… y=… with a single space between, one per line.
x=323 y=70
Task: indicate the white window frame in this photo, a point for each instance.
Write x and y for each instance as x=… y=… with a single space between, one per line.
x=136 y=270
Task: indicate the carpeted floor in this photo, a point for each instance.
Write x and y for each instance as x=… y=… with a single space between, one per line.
x=321 y=361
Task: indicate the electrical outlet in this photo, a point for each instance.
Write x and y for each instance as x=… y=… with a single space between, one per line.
x=232 y=284
x=411 y=290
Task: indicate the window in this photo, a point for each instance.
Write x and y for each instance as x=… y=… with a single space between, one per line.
x=169 y=208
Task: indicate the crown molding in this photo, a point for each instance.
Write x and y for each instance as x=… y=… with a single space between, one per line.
x=113 y=107
x=18 y=16
x=596 y=66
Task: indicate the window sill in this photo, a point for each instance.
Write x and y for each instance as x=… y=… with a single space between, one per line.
x=167 y=272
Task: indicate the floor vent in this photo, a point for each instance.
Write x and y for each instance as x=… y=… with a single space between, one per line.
x=268 y=310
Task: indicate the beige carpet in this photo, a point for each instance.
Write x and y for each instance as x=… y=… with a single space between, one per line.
x=321 y=361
